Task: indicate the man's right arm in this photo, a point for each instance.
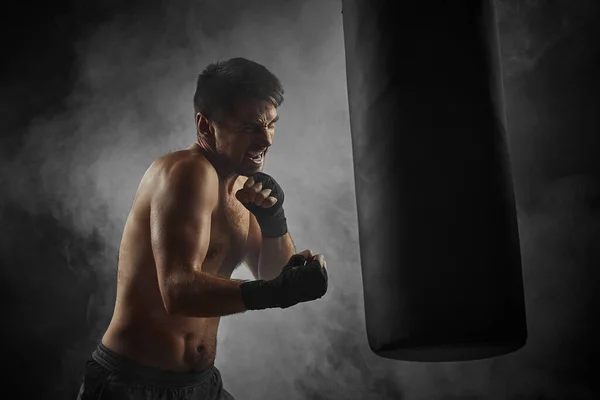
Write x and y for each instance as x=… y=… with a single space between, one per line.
x=180 y=221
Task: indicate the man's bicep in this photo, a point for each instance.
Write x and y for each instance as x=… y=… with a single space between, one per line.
x=180 y=220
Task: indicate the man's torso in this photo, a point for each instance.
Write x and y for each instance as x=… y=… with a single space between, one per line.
x=140 y=328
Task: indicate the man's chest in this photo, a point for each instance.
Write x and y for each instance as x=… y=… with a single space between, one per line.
x=229 y=233
x=231 y=221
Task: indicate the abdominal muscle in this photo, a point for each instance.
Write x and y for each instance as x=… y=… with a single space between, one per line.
x=165 y=342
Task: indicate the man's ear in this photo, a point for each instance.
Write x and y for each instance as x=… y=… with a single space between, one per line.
x=204 y=128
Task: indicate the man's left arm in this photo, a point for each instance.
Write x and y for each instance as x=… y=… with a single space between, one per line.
x=268 y=228
x=273 y=254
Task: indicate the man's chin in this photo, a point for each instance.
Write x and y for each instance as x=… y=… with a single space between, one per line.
x=250 y=171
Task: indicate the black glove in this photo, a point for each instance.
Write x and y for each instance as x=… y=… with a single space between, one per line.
x=299 y=281
x=271 y=220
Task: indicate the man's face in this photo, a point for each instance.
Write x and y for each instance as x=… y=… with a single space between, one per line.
x=243 y=138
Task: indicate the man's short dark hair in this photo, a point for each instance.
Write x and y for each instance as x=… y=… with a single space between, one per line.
x=222 y=83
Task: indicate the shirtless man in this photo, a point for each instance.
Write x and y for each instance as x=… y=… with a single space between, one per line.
x=197 y=215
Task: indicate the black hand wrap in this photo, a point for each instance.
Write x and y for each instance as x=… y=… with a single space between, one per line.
x=271 y=220
x=298 y=282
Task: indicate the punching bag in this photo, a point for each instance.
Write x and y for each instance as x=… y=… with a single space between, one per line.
x=439 y=244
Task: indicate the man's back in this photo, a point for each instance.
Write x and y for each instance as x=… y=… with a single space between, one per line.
x=141 y=327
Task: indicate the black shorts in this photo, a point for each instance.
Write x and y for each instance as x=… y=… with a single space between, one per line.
x=109 y=376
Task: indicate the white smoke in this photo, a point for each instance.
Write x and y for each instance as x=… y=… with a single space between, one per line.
x=133 y=102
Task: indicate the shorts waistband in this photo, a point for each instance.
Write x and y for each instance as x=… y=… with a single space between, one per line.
x=122 y=365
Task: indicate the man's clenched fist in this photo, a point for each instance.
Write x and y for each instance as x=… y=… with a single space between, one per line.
x=263 y=197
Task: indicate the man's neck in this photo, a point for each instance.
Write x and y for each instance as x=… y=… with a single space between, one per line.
x=227 y=177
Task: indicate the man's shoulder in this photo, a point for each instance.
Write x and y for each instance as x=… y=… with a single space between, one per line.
x=187 y=163
x=184 y=168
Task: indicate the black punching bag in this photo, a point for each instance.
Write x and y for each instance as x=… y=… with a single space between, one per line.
x=438 y=233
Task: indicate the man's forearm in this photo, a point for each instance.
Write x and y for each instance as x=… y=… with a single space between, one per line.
x=203 y=295
x=274 y=254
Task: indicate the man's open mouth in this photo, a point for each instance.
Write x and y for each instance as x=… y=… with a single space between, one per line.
x=256 y=156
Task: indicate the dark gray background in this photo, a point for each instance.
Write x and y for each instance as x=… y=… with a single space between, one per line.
x=92 y=92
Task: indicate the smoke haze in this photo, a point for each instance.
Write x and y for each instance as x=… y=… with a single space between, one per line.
x=79 y=138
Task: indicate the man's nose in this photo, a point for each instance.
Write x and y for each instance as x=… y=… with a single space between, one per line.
x=265 y=137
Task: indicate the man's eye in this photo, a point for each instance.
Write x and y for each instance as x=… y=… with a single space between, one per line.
x=250 y=128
